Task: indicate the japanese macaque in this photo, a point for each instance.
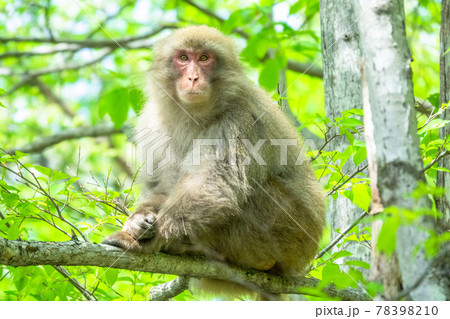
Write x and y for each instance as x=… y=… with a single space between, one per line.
x=227 y=177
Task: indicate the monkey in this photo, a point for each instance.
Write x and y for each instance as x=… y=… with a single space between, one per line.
x=250 y=199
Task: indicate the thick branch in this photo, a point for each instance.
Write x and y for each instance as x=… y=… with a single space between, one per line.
x=70 y=134
x=22 y=253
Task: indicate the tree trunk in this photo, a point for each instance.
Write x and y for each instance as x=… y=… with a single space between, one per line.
x=399 y=165
x=443 y=178
x=342 y=84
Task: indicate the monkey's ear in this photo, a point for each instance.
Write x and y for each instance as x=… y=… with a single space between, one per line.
x=122 y=240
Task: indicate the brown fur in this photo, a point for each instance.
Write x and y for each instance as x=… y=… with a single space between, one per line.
x=268 y=217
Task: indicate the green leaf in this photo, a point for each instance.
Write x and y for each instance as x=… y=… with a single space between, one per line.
x=43 y=170
x=2 y=105
x=340 y=254
x=267 y=3
x=116 y=104
x=56 y=188
x=349 y=136
x=268 y=78
x=111 y=276
x=434 y=99
x=388 y=235
x=13 y=231
x=56 y=175
x=2 y=92
x=91 y=211
x=237 y=18
x=359 y=156
x=350 y=122
x=10 y=199
x=361 y=196
x=352 y=112
x=256 y=46
x=137 y=99
x=433 y=124
x=358 y=263
x=296 y=7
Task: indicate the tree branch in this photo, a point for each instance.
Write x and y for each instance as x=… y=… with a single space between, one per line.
x=336 y=187
x=8 y=72
x=23 y=253
x=75 y=283
x=88 y=43
x=169 y=289
x=342 y=234
x=70 y=134
x=443 y=154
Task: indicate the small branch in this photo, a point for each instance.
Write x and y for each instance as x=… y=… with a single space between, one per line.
x=23 y=253
x=7 y=72
x=306 y=68
x=75 y=283
x=88 y=43
x=52 y=97
x=169 y=289
x=335 y=188
x=341 y=235
x=437 y=159
x=70 y=134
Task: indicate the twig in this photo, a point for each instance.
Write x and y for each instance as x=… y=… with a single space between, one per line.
x=75 y=283
x=437 y=159
x=39 y=189
x=169 y=289
x=70 y=134
x=342 y=234
x=59 y=69
x=335 y=188
x=52 y=97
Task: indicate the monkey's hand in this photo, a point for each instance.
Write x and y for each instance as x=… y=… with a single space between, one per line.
x=122 y=240
x=141 y=225
x=138 y=227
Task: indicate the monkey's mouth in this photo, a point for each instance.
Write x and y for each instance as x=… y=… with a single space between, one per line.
x=196 y=92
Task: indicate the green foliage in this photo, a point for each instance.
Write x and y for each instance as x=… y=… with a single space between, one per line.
x=117 y=102
x=77 y=187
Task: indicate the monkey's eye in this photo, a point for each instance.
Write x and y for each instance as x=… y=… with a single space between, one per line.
x=204 y=58
x=183 y=57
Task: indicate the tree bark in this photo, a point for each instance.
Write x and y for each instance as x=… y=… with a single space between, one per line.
x=342 y=84
x=23 y=253
x=443 y=178
x=399 y=165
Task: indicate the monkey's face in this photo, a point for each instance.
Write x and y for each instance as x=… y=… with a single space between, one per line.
x=194 y=72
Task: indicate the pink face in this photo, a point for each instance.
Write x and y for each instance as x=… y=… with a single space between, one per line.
x=194 y=69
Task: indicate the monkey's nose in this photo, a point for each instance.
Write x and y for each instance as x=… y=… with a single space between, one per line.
x=193 y=78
